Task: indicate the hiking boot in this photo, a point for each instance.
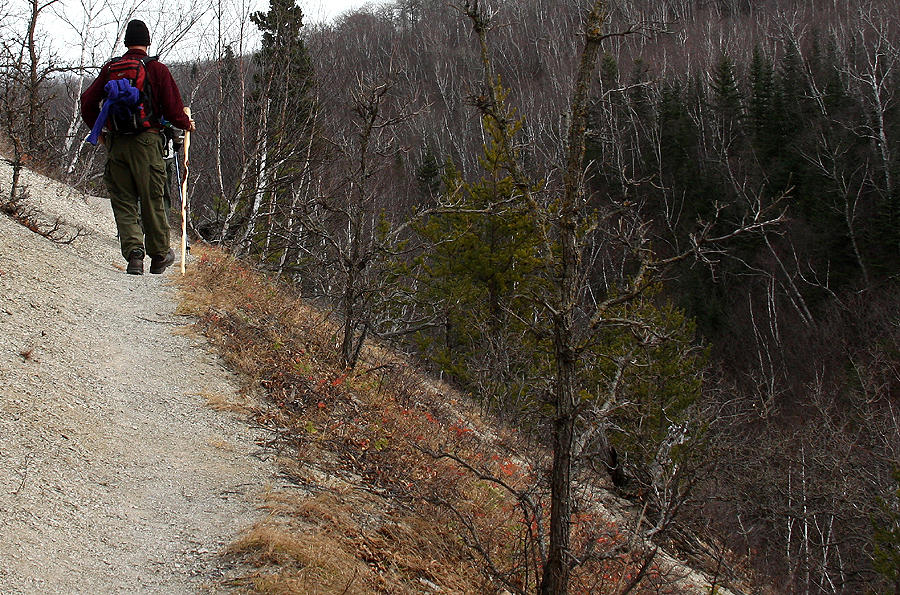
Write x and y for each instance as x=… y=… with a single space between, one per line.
x=135 y=262
x=158 y=264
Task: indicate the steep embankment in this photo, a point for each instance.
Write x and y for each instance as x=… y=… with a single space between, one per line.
x=114 y=476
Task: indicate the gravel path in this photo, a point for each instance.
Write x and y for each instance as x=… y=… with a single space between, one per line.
x=114 y=475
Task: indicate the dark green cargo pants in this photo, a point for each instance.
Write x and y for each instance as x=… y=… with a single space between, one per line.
x=135 y=176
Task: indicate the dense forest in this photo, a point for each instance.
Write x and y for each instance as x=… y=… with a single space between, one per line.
x=683 y=280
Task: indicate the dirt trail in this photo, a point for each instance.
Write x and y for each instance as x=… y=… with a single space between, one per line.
x=114 y=475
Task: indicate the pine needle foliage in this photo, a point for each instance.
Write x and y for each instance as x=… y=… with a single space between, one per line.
x=483 y=273
x=886 y=559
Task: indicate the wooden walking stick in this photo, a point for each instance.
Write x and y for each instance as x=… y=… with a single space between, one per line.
x=187 y=148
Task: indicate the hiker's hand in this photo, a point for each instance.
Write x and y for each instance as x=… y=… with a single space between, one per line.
x=193 y=126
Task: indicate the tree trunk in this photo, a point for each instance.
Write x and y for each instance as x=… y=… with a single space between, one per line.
x=32 y=79
x=349 y=312
x=556 y=570
x=264 y=173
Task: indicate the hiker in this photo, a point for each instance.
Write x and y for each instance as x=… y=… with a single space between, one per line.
x=136 y=93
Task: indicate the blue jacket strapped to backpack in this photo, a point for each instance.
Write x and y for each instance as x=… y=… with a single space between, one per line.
x=121 y=96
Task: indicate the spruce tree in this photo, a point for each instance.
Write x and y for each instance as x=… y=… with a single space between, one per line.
x=762 y=104
x=478 y=275
x=678 y=135
x=792 y=93
x=282 y=58
x=726 y=95
x=886 y=556
x=282 y=105
x=284 y=76
x=609 y=72
x=428 y=175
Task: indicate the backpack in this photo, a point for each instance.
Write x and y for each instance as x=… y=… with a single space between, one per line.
x=128 y=117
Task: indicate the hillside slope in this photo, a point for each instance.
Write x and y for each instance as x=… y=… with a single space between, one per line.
x=114 y=476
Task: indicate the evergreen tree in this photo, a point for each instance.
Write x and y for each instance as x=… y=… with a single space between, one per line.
x=479 y=276
x=726 y=95
x=761 y=106
x=886 y=559
x=609 y=72
x=428 y=175
x=284 y=77
x=836 y=98
x=638 y=94
x=285 y=71
x=282 y=105
x=678 y=136
x=793 y=93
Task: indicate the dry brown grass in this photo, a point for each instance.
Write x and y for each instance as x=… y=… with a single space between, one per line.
x=307 y=562
x=344 y=433
x=234 y=403
x=378 y=508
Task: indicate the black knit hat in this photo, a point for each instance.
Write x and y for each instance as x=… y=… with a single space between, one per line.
x=136 y=33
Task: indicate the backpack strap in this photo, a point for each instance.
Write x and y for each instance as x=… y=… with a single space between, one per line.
x=153 y=116
x=109 y=63
x=144 y=61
